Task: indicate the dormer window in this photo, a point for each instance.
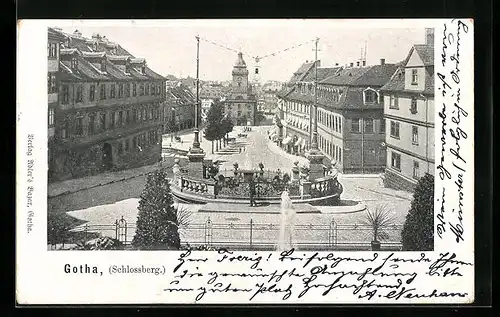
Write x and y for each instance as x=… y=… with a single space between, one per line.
x=74 y=62
x=103 y=65
x=370 y=96
x=67 y=43
x=95 y=46
x=127 y=68
x=143 y=69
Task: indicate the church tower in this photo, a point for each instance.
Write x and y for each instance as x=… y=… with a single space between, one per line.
x=240 y=84
x=241 y=104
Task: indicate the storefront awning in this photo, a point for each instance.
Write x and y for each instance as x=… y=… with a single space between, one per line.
x=287 y=140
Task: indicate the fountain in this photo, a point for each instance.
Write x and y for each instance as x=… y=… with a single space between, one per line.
x=287 y=221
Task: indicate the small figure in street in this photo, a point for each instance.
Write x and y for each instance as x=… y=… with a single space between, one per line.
x=252 y=193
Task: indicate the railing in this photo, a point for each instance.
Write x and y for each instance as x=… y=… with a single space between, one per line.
x=254 y=236
x=202 y=187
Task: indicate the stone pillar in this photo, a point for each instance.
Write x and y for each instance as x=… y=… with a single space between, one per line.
x=195 y=164
x=305 y=189
x=315 y=164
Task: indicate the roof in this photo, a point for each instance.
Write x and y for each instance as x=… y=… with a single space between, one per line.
x=397 y=81
x=375 y=76
x=181 y=94
x=323 y=73
x=89 y=60
x=426 y=53
x=301 y=72
x=56 y=35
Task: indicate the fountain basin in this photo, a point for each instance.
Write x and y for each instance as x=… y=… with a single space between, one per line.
x=299 y=208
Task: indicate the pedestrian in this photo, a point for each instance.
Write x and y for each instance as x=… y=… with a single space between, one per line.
x=252 y=193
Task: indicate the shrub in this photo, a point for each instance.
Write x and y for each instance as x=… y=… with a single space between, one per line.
x=101 y=243
x=379 y=221
x=418 y=229
x=157 y=222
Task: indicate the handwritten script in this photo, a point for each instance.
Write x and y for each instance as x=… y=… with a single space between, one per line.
x=266 y=276
x=455 y=130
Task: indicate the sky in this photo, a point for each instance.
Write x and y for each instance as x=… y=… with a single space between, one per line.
x=170 y=47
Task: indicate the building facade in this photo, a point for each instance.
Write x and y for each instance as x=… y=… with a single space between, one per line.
x=351 y=128
x=409 y=114
x=55 y=39
x=241 y=104
x=110 y=109
x=210 y=93
x=181 y=102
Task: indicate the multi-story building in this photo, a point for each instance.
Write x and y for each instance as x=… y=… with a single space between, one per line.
x=181 y=102
x=55 y=38
x=241 y=104
x=409 y=113
x=350 y=114
x=109 y=114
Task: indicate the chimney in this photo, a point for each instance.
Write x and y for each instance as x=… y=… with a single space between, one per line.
x=429 y=36
x=357 y=63
x=77 y=33
x=319 y=63
x=351 y=64
x=336 y=64
x=382 y=61
x=95 y=36
x=364 y=63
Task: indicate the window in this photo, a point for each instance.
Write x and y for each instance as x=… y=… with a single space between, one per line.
x=414 y=135
x=127 y=145
x=395 y=129
x=65 y=94
x=51 y=82
x=143 y=69
x=153 y=89
x=92 y=92
x=79 y=93
x=413 y=107
x=141 y=90
x=52 y=50
x=355 y=126
x=113 y=120
x=370 y=96
x=120 y=90
x=396 y=161
x=74 y=63
x=414 y=77
x=112 y=93
x=103 y=121
x=368 y=125
x=134 y=89
x=91 y=123
x=103 y=91
x=382 y=126
x=127 y=90
x=147 y=89
x=120 y=118
x=416 y=170
x=127 y=116
x=393 y=103
x=79 y=126
x=134 y=115
x=103 y=66
x=51 y=117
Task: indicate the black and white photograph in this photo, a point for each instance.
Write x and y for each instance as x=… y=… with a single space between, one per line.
x=242 y=161
x=228 y=138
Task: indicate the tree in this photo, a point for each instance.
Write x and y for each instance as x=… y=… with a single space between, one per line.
x=157 y=223
x=226 y=126
x=418 y=230
x=213 y=130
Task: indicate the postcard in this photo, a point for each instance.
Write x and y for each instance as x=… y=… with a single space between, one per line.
x=285 y=161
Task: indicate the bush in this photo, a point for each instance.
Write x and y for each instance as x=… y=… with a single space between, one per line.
x=101 y=243
x=157 y=223
x=418 y=230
